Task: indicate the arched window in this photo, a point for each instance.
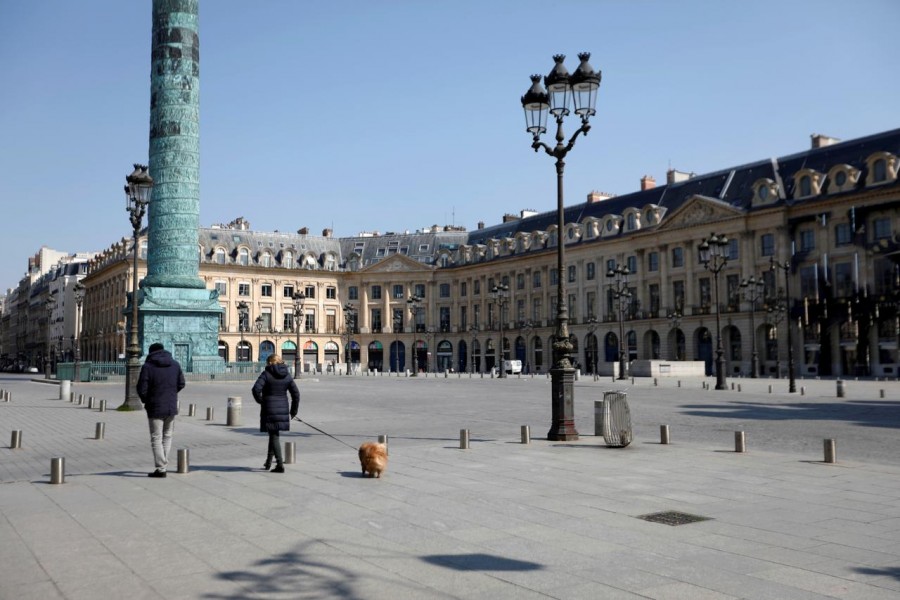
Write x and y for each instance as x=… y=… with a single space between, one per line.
x=287 y=260
x=805 y=186
x=879 y=170
x=244 y=257
x=220 y=256
x=631 y=222
x=267 y=260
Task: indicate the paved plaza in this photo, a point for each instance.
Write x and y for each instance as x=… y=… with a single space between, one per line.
x=501 y=519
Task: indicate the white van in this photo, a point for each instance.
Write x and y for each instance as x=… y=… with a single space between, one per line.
x=512 y=366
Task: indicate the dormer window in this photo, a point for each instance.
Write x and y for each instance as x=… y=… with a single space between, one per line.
x=882 y=168
x=244 y=257
x=266 y=259
x=287 y=260
x=765 y=191
x=842 y=178
x=220 y=256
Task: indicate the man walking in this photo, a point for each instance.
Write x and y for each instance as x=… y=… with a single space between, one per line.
x=158 y=385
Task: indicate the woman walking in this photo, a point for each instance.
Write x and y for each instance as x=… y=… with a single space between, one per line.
x=271 y=391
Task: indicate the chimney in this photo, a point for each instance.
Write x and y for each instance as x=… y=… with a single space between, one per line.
x=647 y=183
x=303 y=231
x=676 y=176
x=508 y=217
x=596 y=196
x=326 y=232
x=480 y=224
x=820 y=141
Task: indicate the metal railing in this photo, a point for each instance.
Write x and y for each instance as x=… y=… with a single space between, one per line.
x=198 y=370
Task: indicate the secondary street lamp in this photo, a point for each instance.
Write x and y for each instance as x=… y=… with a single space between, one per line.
x=618 y=282
x=137 y=193
x=414 y=303
x=500 y=294
x=243 y=310
x=49 y=304
x=526 y=328
x=299 y=299
x=78 y=291
x=775 y=315
x=753 y=290
x=714 y=256
x=594 y=347
x=259 y=323
x=349 y=328
x=675 y=323
x=580 y=90
x=786 y=267
x=473 y=329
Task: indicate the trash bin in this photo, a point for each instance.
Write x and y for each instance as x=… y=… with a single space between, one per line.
x=617 y=431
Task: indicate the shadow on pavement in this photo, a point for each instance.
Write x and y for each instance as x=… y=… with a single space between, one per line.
x=480 y=562
x=893 y=572
x=871 y=413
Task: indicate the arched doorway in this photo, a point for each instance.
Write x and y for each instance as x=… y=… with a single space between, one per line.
x=444 y=356
x=289 y=352
x=397 y=356
x=631 y=343
x=376 y=356
x=462 y=357
x=704 y=345
x=310 y=356
x=677 y=344
x=266 y=349
x=611 y=347
x=223 y=351
x=591 y=353
x=521 y=350
x=243 y=351
x=733 y=355
x=489 y=354
x=651 y=345
x=421 y=362
x=332 y=355
x=538 y=355
x=476 y=356
x=354 y=352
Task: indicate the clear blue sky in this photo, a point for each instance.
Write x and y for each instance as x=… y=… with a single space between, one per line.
x=395 y=115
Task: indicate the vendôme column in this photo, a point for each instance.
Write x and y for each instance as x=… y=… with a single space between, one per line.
x=176 y=308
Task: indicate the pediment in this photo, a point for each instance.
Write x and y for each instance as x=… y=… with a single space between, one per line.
x=397 y=263
x=699 y=210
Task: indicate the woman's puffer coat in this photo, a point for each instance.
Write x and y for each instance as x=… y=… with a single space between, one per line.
x=271 y=391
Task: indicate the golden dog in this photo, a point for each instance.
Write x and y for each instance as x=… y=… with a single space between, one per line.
x=373 y=458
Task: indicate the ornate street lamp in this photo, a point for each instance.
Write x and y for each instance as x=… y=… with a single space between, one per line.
x=592 y=324
x=473 y=329
x=675 y=323
x=414 y=303
x=754 y=289
x=786 y=267
x=618 y=284
x=775 y=315
x=243 y=309
x=49 y=304
x=78 y=292
x=258 y=321
x=430 y=336
x=526 y=328
x=349 y=328
x=137 y=193
x=714 y=256
x=299 y=299
x=500 y=294
x=579 y=89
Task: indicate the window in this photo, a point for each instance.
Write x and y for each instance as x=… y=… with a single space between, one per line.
x=678 y=295
x=376 y=292
x=653 y=262
x=554 y=277
x=244 y=289
x=807 y=240
x=463 y=289
x=842 y=234
x=536 y=309
x=420 y=290
x=476 y=315
x=843 y=279
x=423 y=248
x=220 y=256
x=590 y=269
x=287 y=260
x=536 y=279
x=879 y=170
x=520 y=281
x=266 y=323
x=444 y=290
x=287 y=291
x=353 y=292
x=767 y=244
x=476 y=287
x=705 y=292
x=654 y=300
x=267 y=260
x=572 y=273
x=631 y=263
x=330 y=322
x=808 y=279
x=266 y=290
x=610 y=265
x=222 y=288
x=331 y=292
x=881 y=228
x=243 y=257
x=805 y=186
x=463 y=320
x=733 y=249
x=310 y=323
x=287 y=321
x=630 y=222
x=678 y=257
x=590 y=305
x=398 y=292
x=397 y=319
x=310 y=291
x=445 y=318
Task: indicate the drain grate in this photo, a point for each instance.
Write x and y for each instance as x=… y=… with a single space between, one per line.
x=673 y=518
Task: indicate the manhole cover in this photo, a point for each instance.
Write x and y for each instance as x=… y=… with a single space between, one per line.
x=673 y=518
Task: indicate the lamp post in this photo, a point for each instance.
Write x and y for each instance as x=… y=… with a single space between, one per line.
x=753 y=290
x=592 y=324
x=618 y=282
x=775 y=315
x=526 y=328
x=78 y=292
x=473 y=329
x=786 y=267
x=579 y=89
x=299 y=299
x=258 y=321
x=430 y=335
x=349 y=328
x=414 y=303
x=675 y=323
x=500 y=294
x=243 y=309
x=714 y=256
x=137 y=193
x=48 y=363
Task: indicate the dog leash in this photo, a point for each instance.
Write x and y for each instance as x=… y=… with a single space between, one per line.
x=323 y=432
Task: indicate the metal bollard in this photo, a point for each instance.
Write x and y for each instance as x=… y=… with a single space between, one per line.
x=383 y=439
x=526 y=434
x=830 y=450
x=80 y=398
x=739 y=442
x=184 y=460
x=881 y=393
x=679 y=383
x=290 y=453
x=71 y=396
x=739 y=387
x=233 y=418
x=655 y=382
x=841 y=391
x=57 y=470
x=91 y=403
x=770 y=389
x=16 y=442
x=65 y=388
x=209 y=413
x=103 y=406
x=99 y=431
x=598 y=418
x=732 y=386
x=802 y=390
x=663 y=434
x=192 y=410
x=463 y=439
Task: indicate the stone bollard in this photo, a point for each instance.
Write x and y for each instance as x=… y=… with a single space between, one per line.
x=739 y=442
x=103 y=406
x=830 y=451
x=57 y=471
x=841 y=391
x=290 y=453
x=463 y=439
x=598 y=418
x=209 y=413
x=663 y=434
x=184 y=460
x=15 y=442
x=99 y=431
x=383 y=439
x=192 y=410
x=233 y=418
x=65 y=388
x=526 y=434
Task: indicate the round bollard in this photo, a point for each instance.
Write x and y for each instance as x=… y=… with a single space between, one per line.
x=290 y=453
x=184 y=460
x=526 y=434
x=463 y=439
x=841 y=390
x=663 y=434
x=103 y=406
x=739 y=442
x=91 y=402
x=16 y=442
x=383 y=439
x=99 y=431
x=233 y=418
x=80 y=399
x=598 y=418
x=209 y=413
x=57 y=470
x=65 y=388
x=830 y=450
x=192 y=410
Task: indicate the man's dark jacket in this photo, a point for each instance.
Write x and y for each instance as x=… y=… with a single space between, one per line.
x=159 y=383
x=271 y=391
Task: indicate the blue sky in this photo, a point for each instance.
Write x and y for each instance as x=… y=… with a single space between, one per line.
x=397 y=115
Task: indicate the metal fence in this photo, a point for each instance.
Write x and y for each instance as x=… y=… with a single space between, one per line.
x=197 y=371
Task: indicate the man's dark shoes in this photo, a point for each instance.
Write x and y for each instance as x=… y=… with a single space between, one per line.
x=267 y=465
x=157 y=473
x=278 y=469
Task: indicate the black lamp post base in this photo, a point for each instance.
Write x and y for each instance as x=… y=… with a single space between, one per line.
x=132 y=400
x=562 y=425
